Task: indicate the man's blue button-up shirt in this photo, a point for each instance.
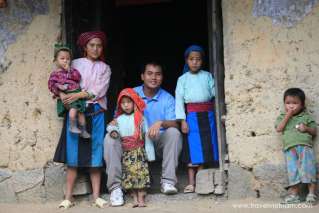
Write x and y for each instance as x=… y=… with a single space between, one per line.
x=160 y=107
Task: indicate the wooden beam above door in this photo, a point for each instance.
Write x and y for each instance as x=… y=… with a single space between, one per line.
x=120 y=3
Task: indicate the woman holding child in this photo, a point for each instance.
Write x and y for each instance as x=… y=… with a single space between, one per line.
x=78 y=152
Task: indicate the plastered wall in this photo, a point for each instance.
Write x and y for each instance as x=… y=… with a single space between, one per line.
x=261 y=61
x=29 y=127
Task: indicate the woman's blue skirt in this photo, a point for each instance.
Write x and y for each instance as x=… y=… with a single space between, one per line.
x=76 y=151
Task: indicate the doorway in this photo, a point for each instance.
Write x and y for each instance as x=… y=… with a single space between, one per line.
x=138 y=33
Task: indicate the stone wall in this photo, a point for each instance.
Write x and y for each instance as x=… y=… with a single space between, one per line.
x=261 y=61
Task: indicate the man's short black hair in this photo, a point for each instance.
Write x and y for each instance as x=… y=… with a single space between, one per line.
x=295 y=92
x=153 y=63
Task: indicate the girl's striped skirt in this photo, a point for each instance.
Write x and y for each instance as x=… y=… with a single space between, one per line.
x=200 y=145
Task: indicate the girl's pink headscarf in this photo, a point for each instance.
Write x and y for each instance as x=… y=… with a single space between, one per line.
x=84 y=38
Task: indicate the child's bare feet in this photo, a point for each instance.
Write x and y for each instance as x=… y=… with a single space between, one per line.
x=141 y=198
x=141 y=205
x=135 y=205
x=135 y=199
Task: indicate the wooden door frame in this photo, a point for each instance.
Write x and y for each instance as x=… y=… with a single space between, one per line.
x=216 y=66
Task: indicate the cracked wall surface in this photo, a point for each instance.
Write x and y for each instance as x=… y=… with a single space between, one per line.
x=14 y=20
x=29 y=126
x=261 y=61
x=284 y=12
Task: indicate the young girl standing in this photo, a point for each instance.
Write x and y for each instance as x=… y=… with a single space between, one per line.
x=67 y=79
x=195 y=89
x=298 y=129
x=73 y=150
x=129 y=124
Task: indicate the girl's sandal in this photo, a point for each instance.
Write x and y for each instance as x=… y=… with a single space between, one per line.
x=66 y=204
x=99 y=202
x=189 y=189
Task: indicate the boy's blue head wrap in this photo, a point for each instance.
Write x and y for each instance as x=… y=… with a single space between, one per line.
x=192 y=48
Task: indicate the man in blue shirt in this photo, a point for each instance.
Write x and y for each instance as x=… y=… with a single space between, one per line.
x=163 y=130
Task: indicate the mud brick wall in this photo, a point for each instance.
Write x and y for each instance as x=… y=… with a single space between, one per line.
x=261 y=61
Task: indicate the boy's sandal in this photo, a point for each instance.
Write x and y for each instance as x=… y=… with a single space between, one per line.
x=311 y=198
x=66 y=204
x=99 y=202
x=291 y=199
x=189 y=189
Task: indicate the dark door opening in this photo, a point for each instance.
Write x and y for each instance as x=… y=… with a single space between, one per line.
x=159 y=32
x=140 y=33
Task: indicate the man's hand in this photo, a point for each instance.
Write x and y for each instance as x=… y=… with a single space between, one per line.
x=184 y=127
x=154 y=130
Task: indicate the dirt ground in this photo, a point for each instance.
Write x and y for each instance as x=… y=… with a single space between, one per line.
x=176 y=206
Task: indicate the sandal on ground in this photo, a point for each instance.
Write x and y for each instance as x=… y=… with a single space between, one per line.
x=66 y=204
x=99 y=202
x=311 y=198
x=290 y=199
x=189 y=189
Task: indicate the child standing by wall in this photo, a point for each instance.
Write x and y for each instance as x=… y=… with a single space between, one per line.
x=195 y=89
x=298 y=129
x=67 y=79
x=129 y=124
